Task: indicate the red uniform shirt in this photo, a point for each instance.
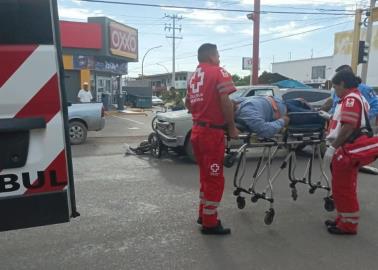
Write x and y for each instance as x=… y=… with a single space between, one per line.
x=205 y=88
x=351 y=109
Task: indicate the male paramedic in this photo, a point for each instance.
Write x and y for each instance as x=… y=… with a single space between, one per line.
x=348 y=138
x=212 y=112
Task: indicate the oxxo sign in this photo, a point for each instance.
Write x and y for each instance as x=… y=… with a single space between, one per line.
x=123 y=41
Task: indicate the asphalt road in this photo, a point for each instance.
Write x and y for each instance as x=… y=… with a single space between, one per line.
x=139 y=213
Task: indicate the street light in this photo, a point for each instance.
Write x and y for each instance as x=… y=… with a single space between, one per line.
x=166 y=69
x=150 y=49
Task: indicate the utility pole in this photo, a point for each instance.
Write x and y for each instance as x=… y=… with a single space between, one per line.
x=255 y=17
x=369 y=34
x=356 y=39
x=173 y=27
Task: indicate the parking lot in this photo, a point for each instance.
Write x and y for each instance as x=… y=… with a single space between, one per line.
x=139 y=213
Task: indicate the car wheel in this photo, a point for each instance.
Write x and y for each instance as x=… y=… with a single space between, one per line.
x=189 y=149
x=77 y=132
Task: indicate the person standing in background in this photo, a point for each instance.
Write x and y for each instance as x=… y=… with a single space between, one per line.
x=85 y=95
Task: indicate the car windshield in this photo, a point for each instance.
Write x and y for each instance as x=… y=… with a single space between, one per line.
x=237 y=94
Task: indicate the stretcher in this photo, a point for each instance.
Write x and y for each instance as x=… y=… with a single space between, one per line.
x=293 y=138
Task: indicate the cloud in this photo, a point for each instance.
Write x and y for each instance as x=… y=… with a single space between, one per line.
x=79 y=3
x=291 y=28
x=78 y=13
x=222 y=29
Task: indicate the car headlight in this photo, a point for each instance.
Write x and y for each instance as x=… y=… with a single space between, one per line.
x=171 y=127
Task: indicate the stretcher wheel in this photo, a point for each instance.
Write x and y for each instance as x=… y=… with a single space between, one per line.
x=240 y=202
x=254 y=198
x=156 y=145
x=312 y=190
x=236 y=192
x=329 y=204
x=269 y=216
x=294 y=194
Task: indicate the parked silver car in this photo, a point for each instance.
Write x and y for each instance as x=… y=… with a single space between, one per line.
x=174 y=127
x=157 y=101
x=84 y=117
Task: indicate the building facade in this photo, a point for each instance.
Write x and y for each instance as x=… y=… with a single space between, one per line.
x=313 y=71
x=316 y=71
x=97 y=52
x=162 y=82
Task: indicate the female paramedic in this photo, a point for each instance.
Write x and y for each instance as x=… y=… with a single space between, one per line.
x=351 y=146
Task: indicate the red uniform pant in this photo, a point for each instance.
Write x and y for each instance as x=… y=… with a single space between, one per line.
x=345 y=165
x=208 y=147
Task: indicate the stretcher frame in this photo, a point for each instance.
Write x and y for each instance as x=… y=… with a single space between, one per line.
x=290 y=140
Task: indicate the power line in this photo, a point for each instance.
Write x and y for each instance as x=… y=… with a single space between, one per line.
x=215 y=9
x=265 y=41
x=244 y=39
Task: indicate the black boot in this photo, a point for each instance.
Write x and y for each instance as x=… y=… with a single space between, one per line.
x=217 y=230
x=330 y=223
x=199 y=221
x=338 y=231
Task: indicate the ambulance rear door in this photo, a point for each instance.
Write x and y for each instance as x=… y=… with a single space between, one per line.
x=36 y=180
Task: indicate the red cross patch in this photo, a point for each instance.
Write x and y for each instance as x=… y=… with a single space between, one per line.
x=349 y=102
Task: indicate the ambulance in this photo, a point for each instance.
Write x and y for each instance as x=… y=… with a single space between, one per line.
x=36 y=178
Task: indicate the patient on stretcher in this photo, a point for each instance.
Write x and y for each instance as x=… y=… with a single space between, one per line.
x=267 y=116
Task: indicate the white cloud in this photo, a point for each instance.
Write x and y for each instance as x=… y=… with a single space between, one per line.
x=79 y=3
x=291 y=28
x=222 y=29
x=78 y=13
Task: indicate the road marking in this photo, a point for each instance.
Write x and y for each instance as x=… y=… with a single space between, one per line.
x=134 y=121
x=134 y=128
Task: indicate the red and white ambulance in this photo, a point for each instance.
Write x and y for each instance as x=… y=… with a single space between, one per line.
x=36 y=179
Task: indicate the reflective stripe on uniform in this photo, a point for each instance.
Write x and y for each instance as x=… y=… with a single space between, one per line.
x=351 y=114
x=350 y=215
x=358 y=150
x=224 y=84
x=209 y=212
x=349 y=220
x=210 y=203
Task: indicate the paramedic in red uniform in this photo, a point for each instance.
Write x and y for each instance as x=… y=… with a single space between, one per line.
x=212 y=111
x=347 y=132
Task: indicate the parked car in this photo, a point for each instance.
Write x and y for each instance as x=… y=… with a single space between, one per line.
x=174 y=127
x=84 y=117
x=157 y=101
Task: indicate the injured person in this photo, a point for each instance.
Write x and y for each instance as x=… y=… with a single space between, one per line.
x=267 y=116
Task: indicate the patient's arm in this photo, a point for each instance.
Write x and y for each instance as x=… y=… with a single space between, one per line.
x=327 y=105
x=262 y=128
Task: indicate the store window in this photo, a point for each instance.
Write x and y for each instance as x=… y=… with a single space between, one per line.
x=318 y=72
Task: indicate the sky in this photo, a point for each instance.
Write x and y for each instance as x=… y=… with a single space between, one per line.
x=282 y=36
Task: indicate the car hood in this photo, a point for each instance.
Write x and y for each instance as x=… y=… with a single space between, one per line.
x=174 y=116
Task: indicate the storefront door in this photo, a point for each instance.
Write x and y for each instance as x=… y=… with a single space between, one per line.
x=103 y=86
